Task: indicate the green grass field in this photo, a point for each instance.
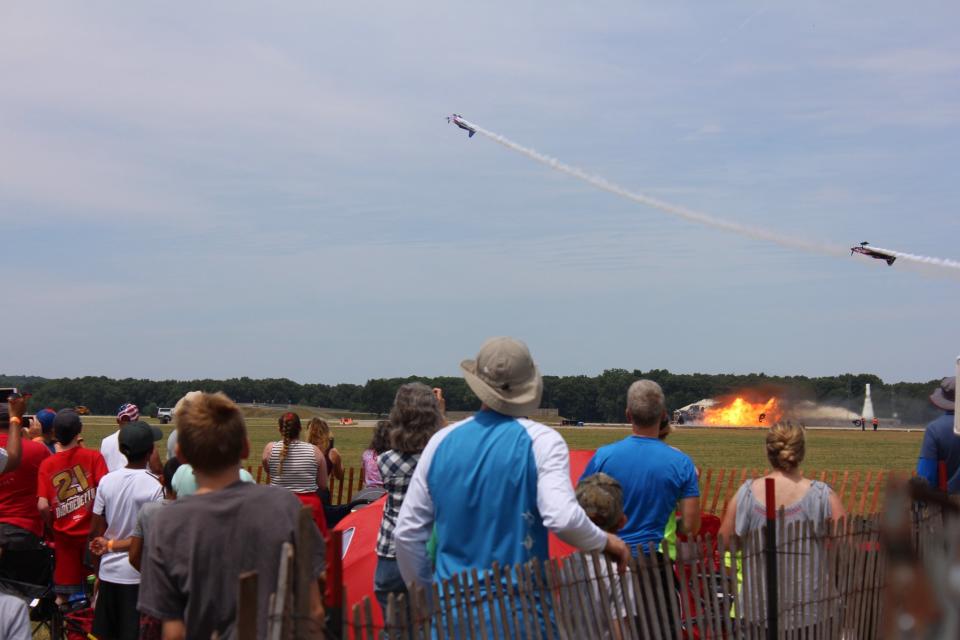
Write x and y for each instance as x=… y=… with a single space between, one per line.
x=709 y=447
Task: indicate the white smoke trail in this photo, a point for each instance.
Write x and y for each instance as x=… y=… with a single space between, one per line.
x=943 y=263
x=703 y=218
x=672 y=209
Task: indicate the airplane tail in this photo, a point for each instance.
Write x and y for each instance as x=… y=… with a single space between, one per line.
x=470 y=135
x=890 y=260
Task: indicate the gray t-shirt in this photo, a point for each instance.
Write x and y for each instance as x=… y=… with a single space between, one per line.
x=814 y=506
x=14 y=618
x=196 y=552
x=145 y=516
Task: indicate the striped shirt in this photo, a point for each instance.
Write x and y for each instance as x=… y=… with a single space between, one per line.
x=300 y=467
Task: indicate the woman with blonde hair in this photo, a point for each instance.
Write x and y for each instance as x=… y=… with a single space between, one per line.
x=800 y=498
x=298 y=466
x=318 y=434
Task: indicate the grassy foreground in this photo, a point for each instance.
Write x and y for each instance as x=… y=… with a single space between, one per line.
x=709 y=447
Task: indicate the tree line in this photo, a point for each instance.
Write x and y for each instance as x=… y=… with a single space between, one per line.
x=599 y=398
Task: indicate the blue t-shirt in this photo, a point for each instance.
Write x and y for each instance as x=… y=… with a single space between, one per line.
x=654 y=477
x=940 y=443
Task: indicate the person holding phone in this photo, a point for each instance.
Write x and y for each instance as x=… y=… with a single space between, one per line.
x=11 y=452
x=21 y=528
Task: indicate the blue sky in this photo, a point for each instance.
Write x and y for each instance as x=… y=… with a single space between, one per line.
x=242 y=189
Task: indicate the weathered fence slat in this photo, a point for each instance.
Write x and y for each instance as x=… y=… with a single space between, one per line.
x=278 y=624
x=643 y=621
x=247 y=606
x=647 y=595
x=705 y=491
x=718 y=489
x=481 y=618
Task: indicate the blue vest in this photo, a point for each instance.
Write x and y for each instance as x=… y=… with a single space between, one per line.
x=483 y=482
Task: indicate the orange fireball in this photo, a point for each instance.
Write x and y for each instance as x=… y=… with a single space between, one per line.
x=740 y=412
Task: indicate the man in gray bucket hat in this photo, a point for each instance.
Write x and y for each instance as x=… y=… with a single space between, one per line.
x=940 y=443
x=494 y=484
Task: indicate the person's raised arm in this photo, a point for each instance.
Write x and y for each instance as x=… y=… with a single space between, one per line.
x=18 y=406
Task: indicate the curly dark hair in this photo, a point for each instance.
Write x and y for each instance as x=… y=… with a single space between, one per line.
x=414 y=418
x=380 y=441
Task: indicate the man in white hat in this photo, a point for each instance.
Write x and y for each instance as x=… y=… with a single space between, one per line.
x=939 y=441
x=494 y=484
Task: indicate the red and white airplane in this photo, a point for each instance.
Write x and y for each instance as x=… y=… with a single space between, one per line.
x=877 y=254
x=458 y=120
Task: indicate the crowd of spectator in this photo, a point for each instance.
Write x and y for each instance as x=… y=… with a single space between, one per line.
x=167 y=542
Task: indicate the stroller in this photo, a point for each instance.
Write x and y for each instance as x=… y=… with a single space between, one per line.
x=28 y=574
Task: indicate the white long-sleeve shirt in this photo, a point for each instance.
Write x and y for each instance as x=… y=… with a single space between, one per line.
x=493 y=486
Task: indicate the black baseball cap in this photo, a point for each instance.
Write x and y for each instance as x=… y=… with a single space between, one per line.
x=137 y=438
x=66 y=425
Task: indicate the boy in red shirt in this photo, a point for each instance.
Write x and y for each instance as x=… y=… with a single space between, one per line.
x=66 y=486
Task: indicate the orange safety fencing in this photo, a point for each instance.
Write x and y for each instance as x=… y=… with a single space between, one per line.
x=861 y=492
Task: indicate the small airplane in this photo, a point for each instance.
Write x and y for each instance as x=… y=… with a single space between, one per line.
x=877 y=254
x=458 y=120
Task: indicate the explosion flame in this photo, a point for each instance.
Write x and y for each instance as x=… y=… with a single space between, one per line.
x=740 y=412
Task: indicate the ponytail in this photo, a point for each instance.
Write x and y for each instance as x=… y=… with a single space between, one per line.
x=290 y=430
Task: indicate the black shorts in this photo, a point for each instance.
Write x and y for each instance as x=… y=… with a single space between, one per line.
x=116 y=616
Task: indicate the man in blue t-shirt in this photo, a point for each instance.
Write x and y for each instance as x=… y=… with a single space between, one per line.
x=654 y=475
x=939 y=440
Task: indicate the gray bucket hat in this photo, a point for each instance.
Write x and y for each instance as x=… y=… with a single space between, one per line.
x=945 y=395
x=504 y=377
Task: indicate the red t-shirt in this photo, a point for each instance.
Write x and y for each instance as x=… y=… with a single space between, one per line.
x=69 y=480
x=18 y=490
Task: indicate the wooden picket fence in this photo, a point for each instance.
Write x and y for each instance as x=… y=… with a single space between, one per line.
x=860 y=491
x=829 y=583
